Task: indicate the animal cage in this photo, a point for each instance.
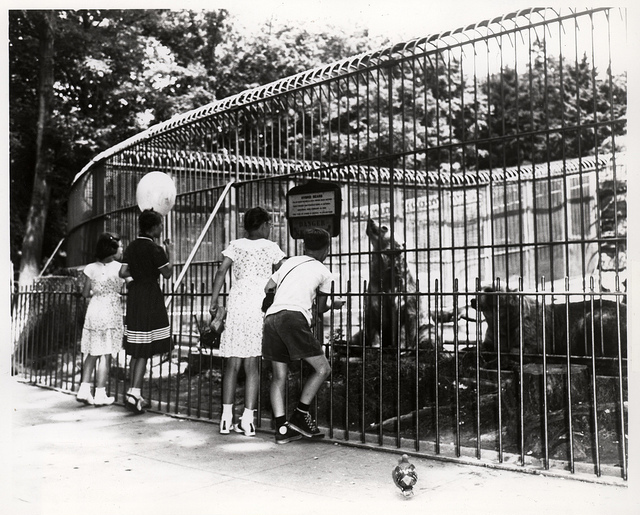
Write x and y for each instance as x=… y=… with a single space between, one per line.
x=483 y=182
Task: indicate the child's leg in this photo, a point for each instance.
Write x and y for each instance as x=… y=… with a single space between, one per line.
x=102 y=371
x=321 y=370
x=276 y=390
x=284 y=432
x=301 y=419
x=229 y=382
x=230 y=379
x=252 y=371
x=133 y=398
x=84 y=392
x=138 y=369
x=252 y=382
x=88 y=367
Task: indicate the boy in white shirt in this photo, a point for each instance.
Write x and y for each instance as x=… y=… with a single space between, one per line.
x=287 y=333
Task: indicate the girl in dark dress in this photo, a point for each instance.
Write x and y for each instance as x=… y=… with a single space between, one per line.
x=147 y=330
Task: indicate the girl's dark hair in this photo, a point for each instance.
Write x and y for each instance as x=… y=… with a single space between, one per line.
x=316 y=238
x=107 y=245
x=148 y=219
x=255 y=217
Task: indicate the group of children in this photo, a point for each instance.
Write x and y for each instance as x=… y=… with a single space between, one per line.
x=281 y=335
x=146 y=331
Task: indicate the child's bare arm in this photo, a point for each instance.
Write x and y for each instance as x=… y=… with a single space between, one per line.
x=218 y=282
x=124 y=271
x=86 y=291
x=324 y=305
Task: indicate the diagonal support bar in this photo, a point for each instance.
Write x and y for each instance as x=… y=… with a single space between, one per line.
x=53 y=254
x=196 y=246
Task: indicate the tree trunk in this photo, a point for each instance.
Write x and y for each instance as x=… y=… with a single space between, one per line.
x=32 y=242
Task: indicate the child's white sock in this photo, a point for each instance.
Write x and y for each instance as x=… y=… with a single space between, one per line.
x=101 y=398
x=226 y=419
x=246 y=424
x=84 y=392
x=85 y=387
x=134 y=391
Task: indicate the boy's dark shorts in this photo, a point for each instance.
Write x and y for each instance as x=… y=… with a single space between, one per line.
x=287 y=337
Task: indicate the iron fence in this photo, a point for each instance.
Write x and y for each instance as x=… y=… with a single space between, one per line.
x=481 y=245
x=446 y=397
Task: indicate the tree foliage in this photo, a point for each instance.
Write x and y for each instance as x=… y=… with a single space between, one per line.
x=546 y=104
x=117 y=72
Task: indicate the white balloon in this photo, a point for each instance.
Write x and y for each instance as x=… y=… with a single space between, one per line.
x=157 y=191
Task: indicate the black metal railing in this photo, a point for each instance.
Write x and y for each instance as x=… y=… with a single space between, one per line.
x=530 y=380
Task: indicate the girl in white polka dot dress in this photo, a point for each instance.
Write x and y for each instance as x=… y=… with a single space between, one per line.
x=103 y=324
x=252 y=260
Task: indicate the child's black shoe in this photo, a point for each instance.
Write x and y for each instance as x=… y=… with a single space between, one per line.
x=302 y=422
x=285 y=434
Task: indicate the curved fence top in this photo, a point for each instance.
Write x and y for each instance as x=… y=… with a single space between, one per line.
x=261 y=167
x=491 y=28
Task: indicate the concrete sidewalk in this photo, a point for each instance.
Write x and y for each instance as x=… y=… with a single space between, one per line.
x=73 y=459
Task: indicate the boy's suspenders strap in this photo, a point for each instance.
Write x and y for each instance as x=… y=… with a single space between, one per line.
x=292 y=269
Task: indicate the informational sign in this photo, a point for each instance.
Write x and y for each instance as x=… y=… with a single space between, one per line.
x=314 y=204
x=322 y=203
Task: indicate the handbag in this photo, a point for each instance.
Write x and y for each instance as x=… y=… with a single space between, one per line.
x=268 y=300
x=209 y=339
x=209 y=334
x=270 y=294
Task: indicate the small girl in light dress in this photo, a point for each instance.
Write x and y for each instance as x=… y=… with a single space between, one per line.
x=253 y=260
x=103 y=324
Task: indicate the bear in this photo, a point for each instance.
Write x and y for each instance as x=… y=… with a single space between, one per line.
x=391 y=293
x=571 y=324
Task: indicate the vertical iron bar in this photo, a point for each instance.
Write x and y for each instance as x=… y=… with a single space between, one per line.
x=202 y=310
x=594 y=385
x=436 y=375
x=478 y=335
x=398 y=370
x=569 y=394
x=417 y=375
x=363 y=380
x=330 y=347
x=496 y=301
x=521 y=368
x=456 y=354
x=622 y=431
x=545 y=395
x=381 y=369
x=347 y=370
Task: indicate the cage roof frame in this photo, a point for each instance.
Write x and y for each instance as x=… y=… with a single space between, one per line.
x=314 y=76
